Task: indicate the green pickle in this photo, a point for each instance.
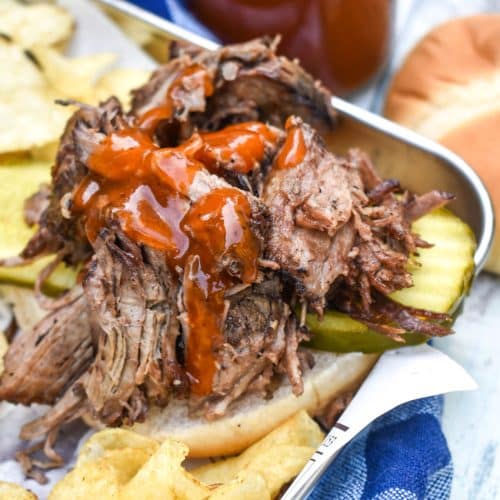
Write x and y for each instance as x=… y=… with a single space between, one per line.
x=441 y=277
x=19 y=179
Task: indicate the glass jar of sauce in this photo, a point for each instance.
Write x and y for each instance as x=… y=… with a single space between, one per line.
x=344 y=43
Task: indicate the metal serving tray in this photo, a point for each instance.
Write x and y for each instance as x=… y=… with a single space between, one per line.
x=419 y=163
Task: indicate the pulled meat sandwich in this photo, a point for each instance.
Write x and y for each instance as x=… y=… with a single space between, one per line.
x=207 y=221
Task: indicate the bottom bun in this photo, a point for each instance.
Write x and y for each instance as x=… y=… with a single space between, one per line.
x=252 y=417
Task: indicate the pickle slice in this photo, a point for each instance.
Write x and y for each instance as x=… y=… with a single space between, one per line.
x=443 y=276
x=20 y=178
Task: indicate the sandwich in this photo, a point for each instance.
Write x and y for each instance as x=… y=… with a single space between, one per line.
x=223 y=254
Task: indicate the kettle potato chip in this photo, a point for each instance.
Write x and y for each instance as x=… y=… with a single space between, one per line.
x=97 y=479
x=29 y=118
x=123 y=465
x=299 y=431
x=26 y=73
x=75 y=77
x=35 y=25
x=249 y=485
x=115 y=439
x=11 y=491
x=163 y=476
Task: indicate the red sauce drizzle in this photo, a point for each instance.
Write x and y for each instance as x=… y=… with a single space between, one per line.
x=294 y=149
x=194 y=76
x=217 y=224
x=145 y=188
x=243 y=145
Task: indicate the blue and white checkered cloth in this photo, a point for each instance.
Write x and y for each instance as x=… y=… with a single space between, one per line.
x=403 y=455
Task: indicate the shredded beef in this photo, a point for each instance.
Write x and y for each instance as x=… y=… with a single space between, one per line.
x=40 y=364
x=70 y=407
x=132 y=295
x=417 y=206
x=336 y=219
x=328 y=229
x=391 y=318
x=261 y=340
x=36 y=204
x=311 y=207
x=384 y=243
x=250 y=82
x=253 y=83
x=189 y=97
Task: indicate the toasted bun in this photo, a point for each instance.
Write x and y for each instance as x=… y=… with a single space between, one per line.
x=252 y=417
x=448 y=89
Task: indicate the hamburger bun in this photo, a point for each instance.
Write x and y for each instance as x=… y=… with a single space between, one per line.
x=448 y=89
x=252 y=417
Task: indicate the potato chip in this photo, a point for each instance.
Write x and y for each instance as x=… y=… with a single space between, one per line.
x=47 y=152
x=112 y=440
x=93 y=480
x=29 y=118
x=300 y=431
x=126 y=473
x=119 y=454
x=163 y=476
x=126 y=462
x=121 y=464
x=248 y=485
x=19 y=180
x=19 y=69
x=11 y=491
x=120 y=82
x=35 y=25
x=73 y=77
x=277 y=465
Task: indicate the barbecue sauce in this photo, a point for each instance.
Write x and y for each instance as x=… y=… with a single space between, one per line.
x=294 y=149
x=241 y=145
x=146 y=189
x=341 y=42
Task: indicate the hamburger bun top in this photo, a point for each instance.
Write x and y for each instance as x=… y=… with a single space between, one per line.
x=448 y=89
x=252 y=417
